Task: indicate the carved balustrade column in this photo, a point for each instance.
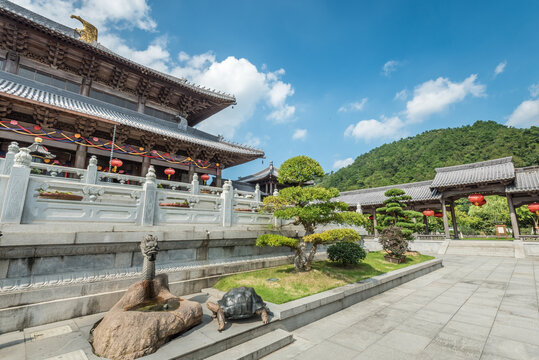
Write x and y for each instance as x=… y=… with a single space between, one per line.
x=16 y=188
x=12 y=150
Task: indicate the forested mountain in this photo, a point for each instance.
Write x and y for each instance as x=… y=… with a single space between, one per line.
x=415 y=158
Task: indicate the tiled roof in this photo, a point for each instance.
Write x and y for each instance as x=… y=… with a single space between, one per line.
x=65 y=31
x=28 y=89
x=476 y=173
x=419 y=191
x=262 y=174
x=526 y=179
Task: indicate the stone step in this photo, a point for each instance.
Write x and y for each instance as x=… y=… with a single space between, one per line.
x=256 y=348
x=481 y=248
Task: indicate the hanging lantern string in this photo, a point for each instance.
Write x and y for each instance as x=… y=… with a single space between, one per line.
x=96 y=143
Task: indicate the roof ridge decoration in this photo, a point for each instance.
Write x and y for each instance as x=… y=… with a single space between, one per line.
x=41 y=22
x=474 y=165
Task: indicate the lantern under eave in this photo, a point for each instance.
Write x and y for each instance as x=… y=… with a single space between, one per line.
x=116 y=163
x=534 y=208
x=476 y=199
x=438 y=215
x=169 y=172
x=428 y=212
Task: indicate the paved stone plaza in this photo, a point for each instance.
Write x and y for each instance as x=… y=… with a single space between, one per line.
x=473 y=308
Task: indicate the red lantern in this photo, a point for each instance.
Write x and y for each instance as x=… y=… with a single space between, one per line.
x=428 y=212
x=534 y=208
x=205 y=177
x=169 y=172
x=482 y=203
x=476 y=198
x=116 y=163
x=371 y=218
x=438 y=215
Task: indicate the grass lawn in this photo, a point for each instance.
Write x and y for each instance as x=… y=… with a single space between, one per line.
x=324 y=275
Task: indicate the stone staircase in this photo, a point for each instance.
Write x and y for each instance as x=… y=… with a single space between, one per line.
x=257 y=348
x=481 y=248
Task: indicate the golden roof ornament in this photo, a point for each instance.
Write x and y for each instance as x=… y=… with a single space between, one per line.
x=88 y=33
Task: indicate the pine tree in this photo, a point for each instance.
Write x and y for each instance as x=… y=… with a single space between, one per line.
x=393 y=214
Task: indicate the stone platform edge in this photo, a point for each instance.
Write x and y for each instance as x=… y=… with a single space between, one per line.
x=300 y=312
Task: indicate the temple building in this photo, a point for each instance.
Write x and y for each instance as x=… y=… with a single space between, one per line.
x=520 y=186
x=266 y=179
x=82 y=99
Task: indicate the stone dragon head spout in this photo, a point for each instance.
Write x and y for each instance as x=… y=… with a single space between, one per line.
x=149 y=247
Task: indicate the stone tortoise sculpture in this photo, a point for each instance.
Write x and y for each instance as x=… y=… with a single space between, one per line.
x=238 y=303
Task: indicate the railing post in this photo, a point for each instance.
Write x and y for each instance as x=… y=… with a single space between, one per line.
x=12 y=150
x=258 y=195
x=149 y=198
x=17 y=187
x=227 y=203
x=195 y=186
x=91 y=171
x=277 y=223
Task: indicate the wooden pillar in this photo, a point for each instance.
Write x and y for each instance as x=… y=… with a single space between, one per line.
x=514 y=220
x=80 y=157
x=145 y=166
x=218 y=180
x=375 y=223
x=426 y=222
x=446 y=222
x=454 y=220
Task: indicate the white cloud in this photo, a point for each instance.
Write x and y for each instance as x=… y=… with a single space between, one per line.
x=390 y=66
x=534 y=90
x=251 y=140
x=354 y=106
x=525 y=115
x=500 y=68
x=104 y=14
x=389 y=128
x=342 y=163
x=299 y=134
x=241 y=78
x=401 y=95
x=252 y=87
x=435 y=96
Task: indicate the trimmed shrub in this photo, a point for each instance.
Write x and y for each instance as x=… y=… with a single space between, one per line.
x=393 y=241
x=346 y=253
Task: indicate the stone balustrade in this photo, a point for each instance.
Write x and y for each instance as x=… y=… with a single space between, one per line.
x=46 y=193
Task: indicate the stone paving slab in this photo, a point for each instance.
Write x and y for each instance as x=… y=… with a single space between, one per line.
x=473 y=308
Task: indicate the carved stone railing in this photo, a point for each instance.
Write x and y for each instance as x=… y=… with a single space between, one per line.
x=86 y=195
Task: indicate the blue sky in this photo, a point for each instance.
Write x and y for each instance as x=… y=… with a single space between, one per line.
x=330 y=79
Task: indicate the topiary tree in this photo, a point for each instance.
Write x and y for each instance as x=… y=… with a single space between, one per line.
x=393 y=242
x=346 y=253
x=299 y=170
x=393 y=214
x=308 y=207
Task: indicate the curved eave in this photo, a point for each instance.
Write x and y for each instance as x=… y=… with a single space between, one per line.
x=19 y=89
x=223 y=100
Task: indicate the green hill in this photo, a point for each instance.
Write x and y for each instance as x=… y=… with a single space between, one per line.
x=415 y=158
